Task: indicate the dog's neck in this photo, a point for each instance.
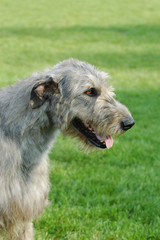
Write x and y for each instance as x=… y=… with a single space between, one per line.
x=38 y=138
x=33 y=131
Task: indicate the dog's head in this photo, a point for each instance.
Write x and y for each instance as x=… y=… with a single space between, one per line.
x=81 y=103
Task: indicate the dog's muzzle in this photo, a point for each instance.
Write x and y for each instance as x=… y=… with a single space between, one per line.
x=127 y=123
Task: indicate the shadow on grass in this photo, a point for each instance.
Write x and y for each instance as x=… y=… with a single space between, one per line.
x=121 y=61
x=79 y=36
x=140 y=33
x=131 y=60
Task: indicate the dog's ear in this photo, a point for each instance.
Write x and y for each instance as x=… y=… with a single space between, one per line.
x=42 y=91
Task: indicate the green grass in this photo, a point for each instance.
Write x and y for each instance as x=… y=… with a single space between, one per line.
x=114 y=194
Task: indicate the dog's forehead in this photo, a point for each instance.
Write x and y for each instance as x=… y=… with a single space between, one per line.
x=82 y=83
x=98 y=81
x=81 y=76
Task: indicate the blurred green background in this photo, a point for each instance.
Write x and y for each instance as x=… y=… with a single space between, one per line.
x=113 y=194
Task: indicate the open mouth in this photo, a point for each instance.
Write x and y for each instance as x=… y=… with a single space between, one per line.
x=90 y=134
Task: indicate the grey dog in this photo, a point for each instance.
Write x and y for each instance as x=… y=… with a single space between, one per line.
x=73 y=97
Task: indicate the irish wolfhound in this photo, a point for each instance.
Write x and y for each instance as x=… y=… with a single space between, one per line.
x=73 y=97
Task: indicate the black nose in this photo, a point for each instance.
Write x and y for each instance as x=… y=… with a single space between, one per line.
x=127 y=123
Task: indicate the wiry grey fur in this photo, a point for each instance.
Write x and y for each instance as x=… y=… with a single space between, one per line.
x=29 y=125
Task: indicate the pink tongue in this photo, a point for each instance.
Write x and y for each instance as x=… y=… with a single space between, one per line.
x=109 y=141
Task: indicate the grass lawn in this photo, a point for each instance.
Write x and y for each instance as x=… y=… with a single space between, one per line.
x=113 y=194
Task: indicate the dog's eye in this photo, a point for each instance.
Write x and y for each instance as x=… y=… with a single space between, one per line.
x=91 y=92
